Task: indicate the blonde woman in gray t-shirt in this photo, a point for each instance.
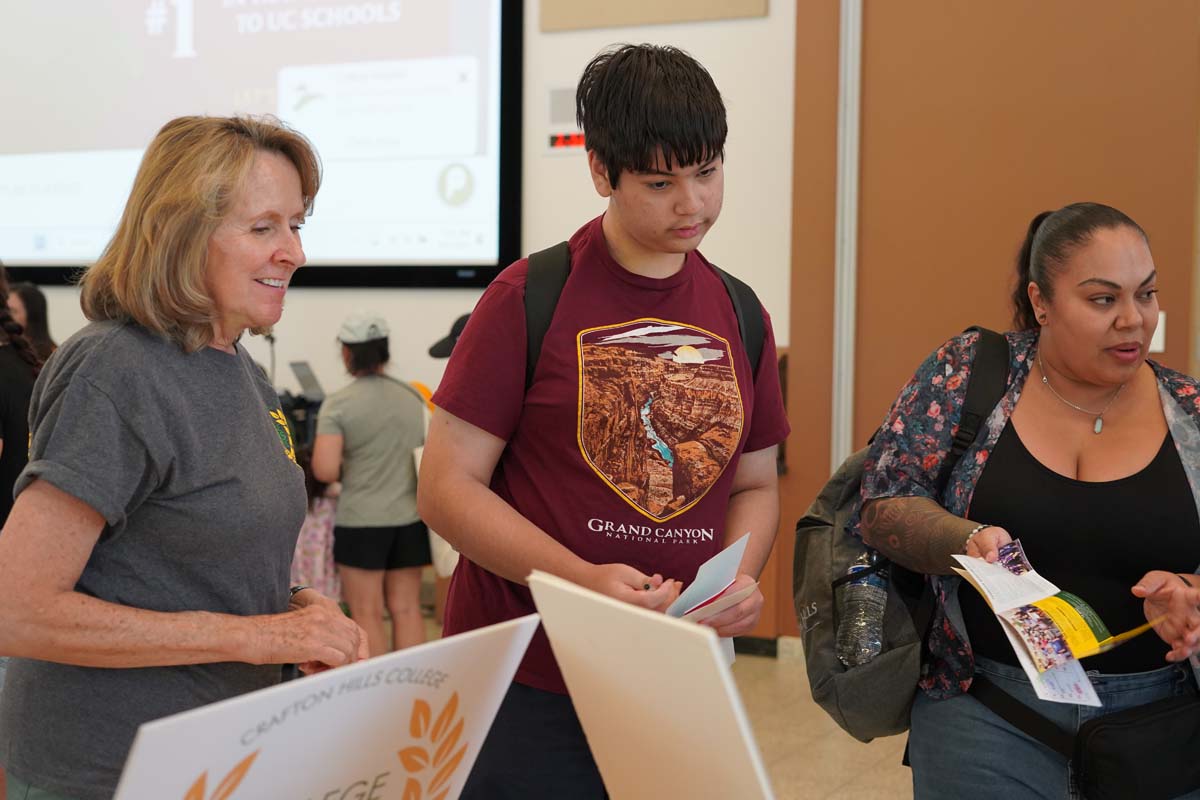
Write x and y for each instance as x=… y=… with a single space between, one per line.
x=366 y=434
x=144 y=565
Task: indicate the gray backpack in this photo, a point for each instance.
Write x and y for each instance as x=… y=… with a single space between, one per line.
x=874 y=699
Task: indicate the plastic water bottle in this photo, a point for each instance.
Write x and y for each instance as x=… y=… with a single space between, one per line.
x=861 y=603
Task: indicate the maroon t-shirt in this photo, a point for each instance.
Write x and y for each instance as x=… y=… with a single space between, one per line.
x=625 y=447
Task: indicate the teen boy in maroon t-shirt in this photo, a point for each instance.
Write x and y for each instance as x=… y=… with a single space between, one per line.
x=646 y=442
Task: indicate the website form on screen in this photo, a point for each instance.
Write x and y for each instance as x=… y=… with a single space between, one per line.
x=400 y=98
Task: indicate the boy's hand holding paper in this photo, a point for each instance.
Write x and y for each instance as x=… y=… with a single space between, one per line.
x=627 y=584
x=714 y=576
x=708 y=597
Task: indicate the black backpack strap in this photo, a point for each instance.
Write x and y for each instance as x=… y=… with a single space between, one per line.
x=1021 y=716
x=548 y=271
x=989 y=378
x=750 y=325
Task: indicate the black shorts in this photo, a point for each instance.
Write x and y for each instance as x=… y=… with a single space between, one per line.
x=389 y=547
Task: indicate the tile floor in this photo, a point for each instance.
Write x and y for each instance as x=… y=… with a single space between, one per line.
x=807 y=756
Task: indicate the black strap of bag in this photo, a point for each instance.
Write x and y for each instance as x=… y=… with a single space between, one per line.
x=985 y=389
x=989 y=378
x=548 y=271
x=1147 y=752
x=750 y=325
x=1021 y=716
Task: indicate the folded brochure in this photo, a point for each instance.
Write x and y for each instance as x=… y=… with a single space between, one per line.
x=705 y=596
x=1049 y=629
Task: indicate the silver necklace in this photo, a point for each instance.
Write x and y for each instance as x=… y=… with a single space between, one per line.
x=1099 y=415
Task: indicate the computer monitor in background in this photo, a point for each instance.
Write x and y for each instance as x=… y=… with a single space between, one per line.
x=301 y=410
x=414 y=107
x=310 y=387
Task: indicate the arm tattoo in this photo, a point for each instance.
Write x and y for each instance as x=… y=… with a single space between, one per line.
x=915 y=532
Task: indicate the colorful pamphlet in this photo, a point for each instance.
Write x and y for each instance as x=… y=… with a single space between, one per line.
x=1049 y=629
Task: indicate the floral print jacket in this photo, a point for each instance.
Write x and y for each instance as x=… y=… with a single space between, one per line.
x=908 y=451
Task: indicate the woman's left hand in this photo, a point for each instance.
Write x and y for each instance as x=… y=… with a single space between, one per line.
x=307 y=597
x=1168 y=598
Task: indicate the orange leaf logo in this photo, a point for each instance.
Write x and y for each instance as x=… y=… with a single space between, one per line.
x=441 y=738
x=420 y=719
x=225 y=788
x=414 y=758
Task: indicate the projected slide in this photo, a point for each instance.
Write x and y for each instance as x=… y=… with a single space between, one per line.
x=400 y=98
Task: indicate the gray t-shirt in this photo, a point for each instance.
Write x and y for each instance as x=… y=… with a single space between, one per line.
x=191 y=465
x=381 y=421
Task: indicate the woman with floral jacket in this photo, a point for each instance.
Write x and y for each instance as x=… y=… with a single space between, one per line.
x=1092 y=458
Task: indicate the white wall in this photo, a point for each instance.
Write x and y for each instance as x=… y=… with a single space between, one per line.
x=752 y=62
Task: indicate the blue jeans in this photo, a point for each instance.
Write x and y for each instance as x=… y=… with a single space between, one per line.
x=960 y=749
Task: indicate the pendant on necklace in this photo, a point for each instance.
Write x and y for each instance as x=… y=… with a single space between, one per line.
x=1099 y=426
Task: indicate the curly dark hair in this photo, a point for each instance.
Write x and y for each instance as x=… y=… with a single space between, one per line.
x=37 y=326
x=12 y=333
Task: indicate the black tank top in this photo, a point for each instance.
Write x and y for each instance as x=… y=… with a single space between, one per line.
x=1093 y=539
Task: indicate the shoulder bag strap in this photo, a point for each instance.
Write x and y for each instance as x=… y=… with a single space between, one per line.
x=1021 y=716
x=548 y=270
x=750 y=325
x=985 y=389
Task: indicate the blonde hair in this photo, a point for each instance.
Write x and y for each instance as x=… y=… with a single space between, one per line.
x=152 y=271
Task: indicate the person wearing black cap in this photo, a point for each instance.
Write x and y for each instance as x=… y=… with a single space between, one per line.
x=444 y=346
x=366 y=434
x=646 y=440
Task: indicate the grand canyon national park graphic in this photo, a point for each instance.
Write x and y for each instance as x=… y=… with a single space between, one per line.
x=660 y=412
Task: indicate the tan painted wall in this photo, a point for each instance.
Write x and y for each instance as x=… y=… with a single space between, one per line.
x=976 y=116
x=810 y=353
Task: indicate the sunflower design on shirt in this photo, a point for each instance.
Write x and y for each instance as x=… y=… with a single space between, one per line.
x=285 y=433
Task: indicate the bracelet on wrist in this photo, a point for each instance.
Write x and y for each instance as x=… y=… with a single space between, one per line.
x=974 y=531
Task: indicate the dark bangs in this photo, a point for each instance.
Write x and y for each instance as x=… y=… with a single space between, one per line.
x=636 y=100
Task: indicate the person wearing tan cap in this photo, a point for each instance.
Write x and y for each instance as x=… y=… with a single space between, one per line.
x=366 y=434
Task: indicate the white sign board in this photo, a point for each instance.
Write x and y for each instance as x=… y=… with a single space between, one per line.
x=404 y=725
x=657 y=701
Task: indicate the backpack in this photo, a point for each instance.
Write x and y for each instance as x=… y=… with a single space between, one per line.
x=548 y=270
x=874 y=699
